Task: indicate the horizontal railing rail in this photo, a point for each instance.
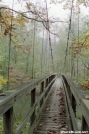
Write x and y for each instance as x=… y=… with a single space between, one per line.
x=11 y=96
x=75 y=94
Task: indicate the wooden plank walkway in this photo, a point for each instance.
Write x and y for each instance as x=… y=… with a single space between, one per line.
x=53 y=118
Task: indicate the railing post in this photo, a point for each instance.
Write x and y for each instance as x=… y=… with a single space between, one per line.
x=68 y=88
x=73 y=104
x=32 y=103
x=41 y=90
x=8 y=121
x=50 y=79
x=85 y=127
x=47 y=83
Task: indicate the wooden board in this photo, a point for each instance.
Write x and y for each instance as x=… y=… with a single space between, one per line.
x=53 y=118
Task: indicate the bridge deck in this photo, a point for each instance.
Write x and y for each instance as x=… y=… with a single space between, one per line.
x=53 y=118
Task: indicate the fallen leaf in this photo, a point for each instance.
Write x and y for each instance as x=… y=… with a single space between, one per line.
x=2 y=94
x=40 y=125
x=49 y=116
x=47 y=109
x=54 y=119
x=86 y=97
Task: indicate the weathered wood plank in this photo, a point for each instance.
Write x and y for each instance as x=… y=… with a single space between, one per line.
x=79 y=94
x=26 y=119
x=42 y=106
x=74 y=123
x=13 y=95
x=51 y=121
x=67 y=112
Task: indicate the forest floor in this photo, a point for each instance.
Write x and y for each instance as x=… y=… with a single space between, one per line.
x=17 y=77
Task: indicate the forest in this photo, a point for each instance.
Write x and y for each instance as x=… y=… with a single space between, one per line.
x=35 y=41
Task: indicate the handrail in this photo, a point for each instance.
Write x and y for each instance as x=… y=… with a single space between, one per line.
x=7 y=102
x=75 y=93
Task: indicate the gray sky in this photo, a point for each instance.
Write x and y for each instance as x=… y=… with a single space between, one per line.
x=55 y=10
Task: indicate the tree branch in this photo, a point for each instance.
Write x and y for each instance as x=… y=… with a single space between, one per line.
x=35 y=13
x=42 y=20
x=49 y=30
x=85 y=65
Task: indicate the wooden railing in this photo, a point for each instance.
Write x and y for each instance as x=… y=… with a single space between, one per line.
x=76 y=95
x=7 y=102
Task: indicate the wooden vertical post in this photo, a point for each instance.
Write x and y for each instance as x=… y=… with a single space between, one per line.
x=85 y=126
x=68 y=89
x=42 y=87
x=47 y=82
x=41 y=90
x=8 y=121
x=73 y=104
x=50 y=79
x=32 y=103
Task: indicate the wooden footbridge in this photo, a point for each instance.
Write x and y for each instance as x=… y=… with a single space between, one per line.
x=59 y=101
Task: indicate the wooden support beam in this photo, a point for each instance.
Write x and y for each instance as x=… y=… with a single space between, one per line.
x=74 y=105
x=8 y=121
x=41 y=91
x=33 y=92
x=85 y=126
x=47 y=82
x=7 y=102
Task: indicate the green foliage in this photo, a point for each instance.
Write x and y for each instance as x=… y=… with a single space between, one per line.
x=2 y=80
x=1 y=125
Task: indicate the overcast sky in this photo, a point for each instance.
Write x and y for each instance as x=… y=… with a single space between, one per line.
x=55 y=10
